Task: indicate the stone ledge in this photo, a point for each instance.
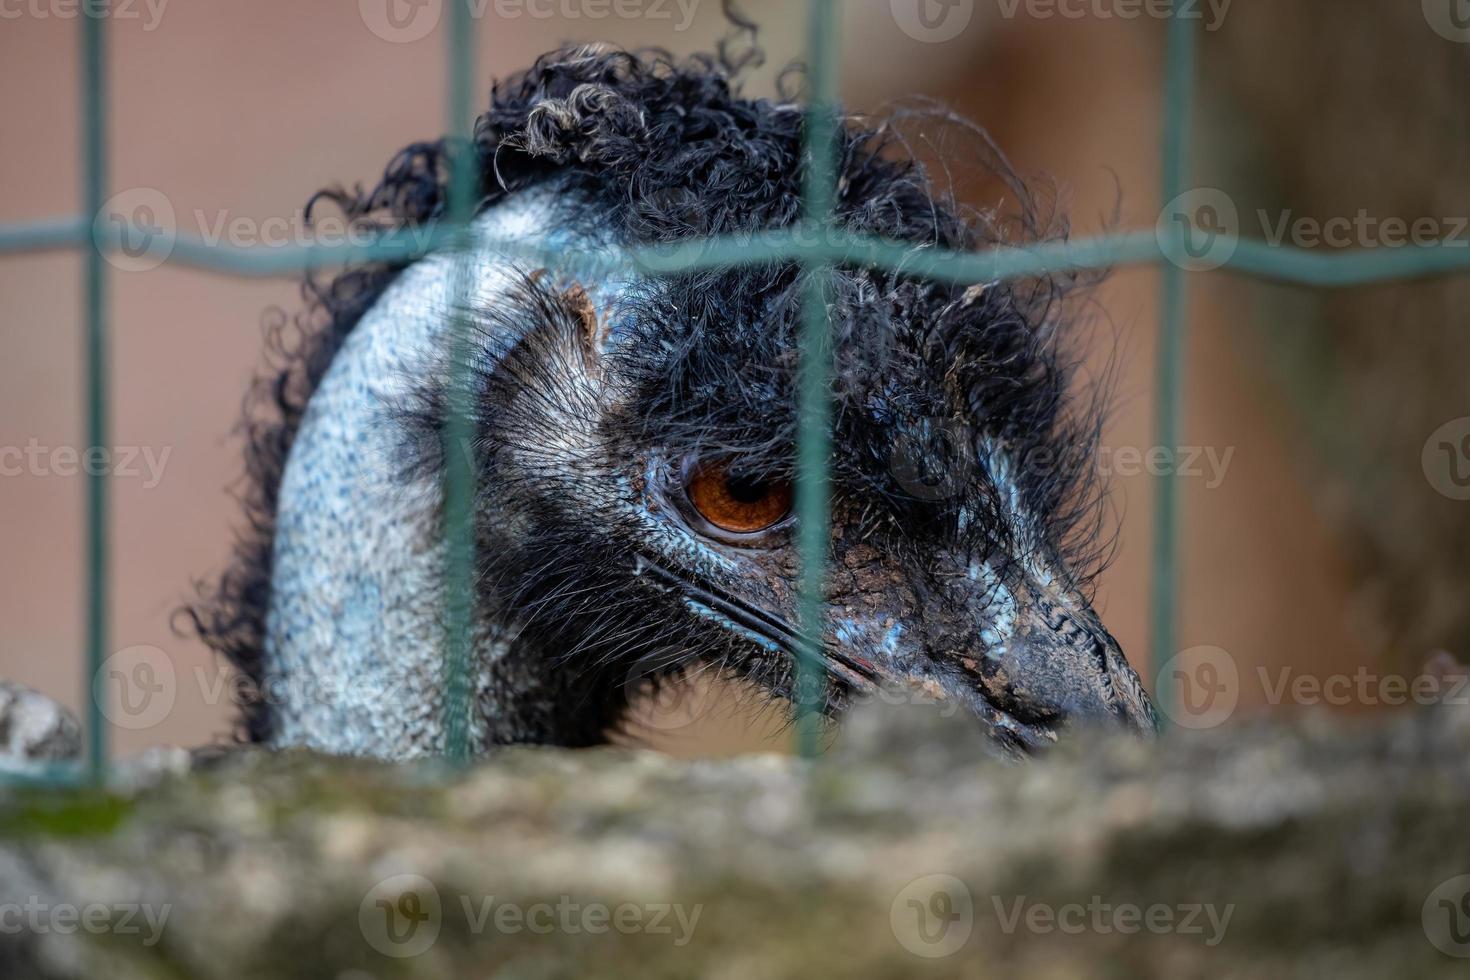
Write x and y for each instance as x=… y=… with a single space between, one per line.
x=1261 y=851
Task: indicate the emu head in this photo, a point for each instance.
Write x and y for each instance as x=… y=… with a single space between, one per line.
x=634 y=439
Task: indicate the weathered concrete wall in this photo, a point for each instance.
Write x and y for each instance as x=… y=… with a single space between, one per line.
x=1256 y=852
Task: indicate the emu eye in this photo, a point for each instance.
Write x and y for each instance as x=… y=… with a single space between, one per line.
x=734 y=503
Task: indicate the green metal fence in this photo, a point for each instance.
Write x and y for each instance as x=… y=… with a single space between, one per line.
x=1168 y=248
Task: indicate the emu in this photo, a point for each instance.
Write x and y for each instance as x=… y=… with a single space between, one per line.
x=634 y=437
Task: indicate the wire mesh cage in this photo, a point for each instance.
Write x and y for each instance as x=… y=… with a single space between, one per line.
x=1179 y=247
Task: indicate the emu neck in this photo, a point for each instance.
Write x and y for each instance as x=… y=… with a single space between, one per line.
x=355 y=623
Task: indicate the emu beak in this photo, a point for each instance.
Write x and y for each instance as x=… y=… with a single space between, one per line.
x=1059 y=669
x=1066 y=674
x=1064 y=671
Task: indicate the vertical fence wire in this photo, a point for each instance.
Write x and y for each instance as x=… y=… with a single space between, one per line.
x=814 y=381
x=814 y=377
x=458 y=436
x=94 y=278
x=1179 y=77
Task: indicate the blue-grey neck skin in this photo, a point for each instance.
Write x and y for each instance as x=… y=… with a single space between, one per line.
x=354 y=629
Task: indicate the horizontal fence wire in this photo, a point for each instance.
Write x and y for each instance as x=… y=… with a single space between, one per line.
x=815 y=243
x=1285 y=264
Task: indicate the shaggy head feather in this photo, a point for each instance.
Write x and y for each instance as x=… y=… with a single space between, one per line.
x=966 y=516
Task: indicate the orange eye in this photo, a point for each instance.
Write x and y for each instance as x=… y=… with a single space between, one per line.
x=737 y=504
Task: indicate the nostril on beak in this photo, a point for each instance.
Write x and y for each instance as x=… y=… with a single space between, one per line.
x=1061 y=673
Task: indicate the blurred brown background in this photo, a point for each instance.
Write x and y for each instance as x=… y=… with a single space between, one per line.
x=1324 y=545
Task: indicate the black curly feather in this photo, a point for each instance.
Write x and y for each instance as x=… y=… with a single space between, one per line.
x=665 y=150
